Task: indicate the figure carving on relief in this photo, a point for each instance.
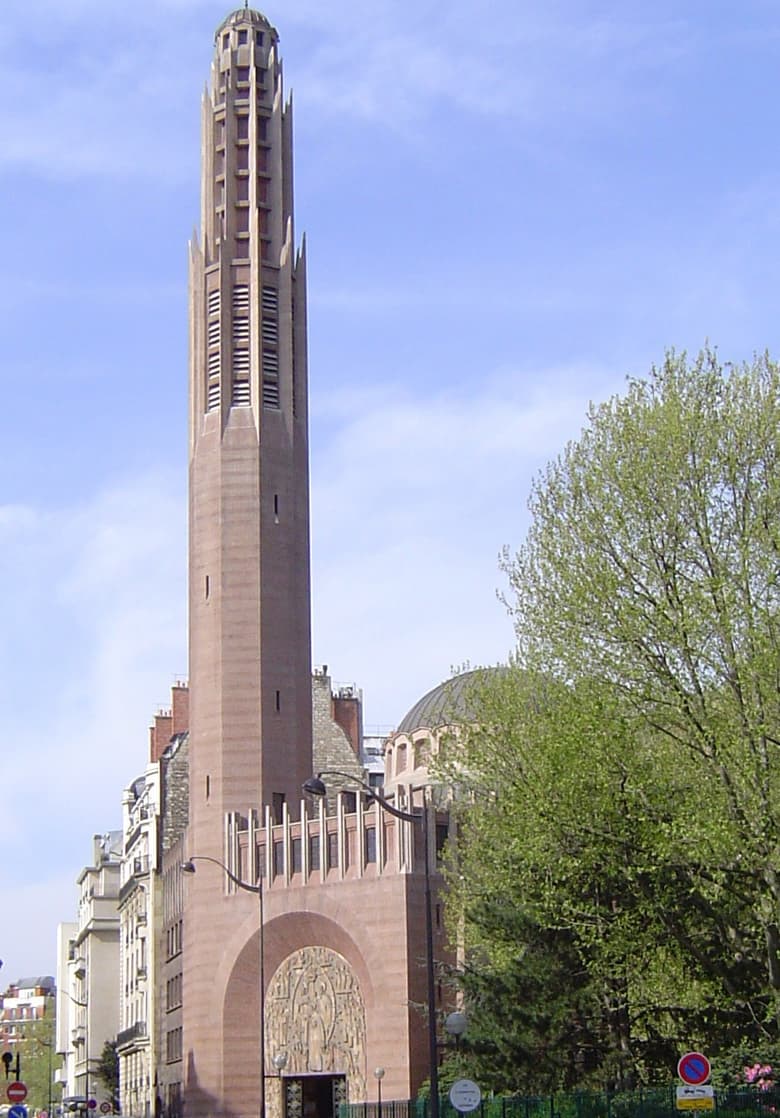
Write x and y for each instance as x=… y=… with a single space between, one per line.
x=314 y=1004
x=315 y=1013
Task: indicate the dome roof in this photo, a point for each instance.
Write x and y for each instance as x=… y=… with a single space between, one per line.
x=449 y=703
x=243 y=15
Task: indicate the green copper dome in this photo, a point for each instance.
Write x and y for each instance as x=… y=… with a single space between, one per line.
x=450 y=703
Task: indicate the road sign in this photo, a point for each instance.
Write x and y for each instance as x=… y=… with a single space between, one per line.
x=16 y=1091
x=17 y=1111
x=92 y=1103
x=693 y=1068
x=465 y=1095
x=106 y=1108
x=691 y=1097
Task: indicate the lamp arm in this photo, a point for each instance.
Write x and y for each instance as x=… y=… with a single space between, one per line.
x=231 y=876
x=408 y=816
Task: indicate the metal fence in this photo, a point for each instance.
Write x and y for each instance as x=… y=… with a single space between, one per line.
x=657 y=1102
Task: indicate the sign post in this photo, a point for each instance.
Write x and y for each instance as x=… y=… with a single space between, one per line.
x=16 y=1092
x=465 y=1095
x=696 y=1093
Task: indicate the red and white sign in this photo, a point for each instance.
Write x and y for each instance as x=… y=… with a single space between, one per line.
x=16 y=1092
x=693 y=1068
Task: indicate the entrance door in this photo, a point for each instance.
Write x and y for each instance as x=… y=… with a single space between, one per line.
x=314 y=1096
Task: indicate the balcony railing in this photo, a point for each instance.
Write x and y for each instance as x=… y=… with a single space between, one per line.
x=134 y=1032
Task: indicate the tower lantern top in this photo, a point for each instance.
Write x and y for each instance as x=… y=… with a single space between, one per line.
x=242 y=16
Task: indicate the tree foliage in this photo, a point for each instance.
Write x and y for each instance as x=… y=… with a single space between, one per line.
x=107 y=1070
x=623 y=779
x=38 y=1062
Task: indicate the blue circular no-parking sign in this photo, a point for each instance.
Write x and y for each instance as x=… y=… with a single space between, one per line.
x=693 y=1068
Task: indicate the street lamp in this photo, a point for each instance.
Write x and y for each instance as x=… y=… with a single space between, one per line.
x=315 y=786
x=85 y=1007
x=189 y=867
x=379 y=1073
x=456 y=1024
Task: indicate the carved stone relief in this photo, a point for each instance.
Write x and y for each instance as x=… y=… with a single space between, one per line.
x=314 y=1012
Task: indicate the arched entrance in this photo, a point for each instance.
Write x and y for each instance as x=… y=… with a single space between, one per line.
x=315 y=1014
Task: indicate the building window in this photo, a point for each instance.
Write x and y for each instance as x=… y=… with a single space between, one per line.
x=278 y=859
x=260 y=860
x=241 y=298
x=243 y=37
x=213 y=302
x=332 y=850
x=259 y=38
x=241 y=332
x=370 y=844
x=297 y=854
x=242 y=127
x=173 y=1045
x=314 y=852
x=242 y=74
x=277 y=806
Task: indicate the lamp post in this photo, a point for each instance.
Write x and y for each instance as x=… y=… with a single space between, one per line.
x=379 y=1073
x=85 y=1006
x=315 y=786
x=189 y=867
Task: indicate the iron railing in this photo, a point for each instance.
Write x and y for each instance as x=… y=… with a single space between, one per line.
x=648 y=1102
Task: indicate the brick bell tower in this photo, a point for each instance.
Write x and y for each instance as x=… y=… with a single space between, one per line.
x=249 y=607
x=249 y=583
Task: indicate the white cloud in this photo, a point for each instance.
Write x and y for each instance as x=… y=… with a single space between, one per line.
x=109 y=91
x=95 y=593
x=413 y=498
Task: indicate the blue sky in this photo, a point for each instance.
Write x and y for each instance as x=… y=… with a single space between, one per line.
x=509 y=207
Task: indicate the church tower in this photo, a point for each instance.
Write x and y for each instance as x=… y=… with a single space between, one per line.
x=321 y=964
x=249 y=597
x=250 y=743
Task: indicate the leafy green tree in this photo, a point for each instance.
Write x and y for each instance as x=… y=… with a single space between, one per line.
x=107 y=1070
x=623 y=776
x=38 y=1062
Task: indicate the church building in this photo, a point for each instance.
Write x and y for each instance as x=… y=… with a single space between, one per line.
x=298 y=925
